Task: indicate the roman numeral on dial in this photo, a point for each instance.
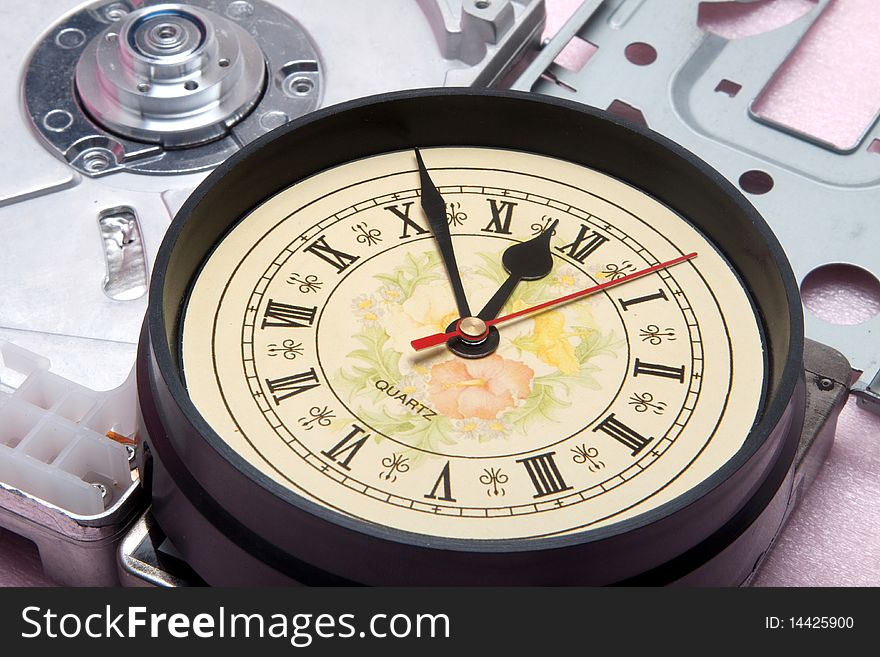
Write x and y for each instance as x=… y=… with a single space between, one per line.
x=408 y=223
x=660 y=294
x=584 y=244
x=442 y=485
x=502 y=213
x=295 y=384
x=284 y=315
x=339 y=259
x=544 y=474
x=347 y=448
x=655 y=369
x=623 y=434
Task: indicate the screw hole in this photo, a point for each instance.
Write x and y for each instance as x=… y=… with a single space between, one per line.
x=114 y=11
x=482 y=4
x=300 y=86
x=70 y=37
x=640 y=53
x=190 y=85
x=96 y=160
x=756 y=182
x=57 y=120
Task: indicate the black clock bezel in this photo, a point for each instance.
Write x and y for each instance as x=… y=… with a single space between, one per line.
x=223 y=514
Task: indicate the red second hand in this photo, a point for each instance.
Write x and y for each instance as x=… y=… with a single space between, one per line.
x=440 y=338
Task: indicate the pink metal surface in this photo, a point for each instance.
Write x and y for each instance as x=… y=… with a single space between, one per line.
x=833 y=538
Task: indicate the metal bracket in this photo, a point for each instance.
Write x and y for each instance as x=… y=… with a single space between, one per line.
x=823 y=203
x=868 y=396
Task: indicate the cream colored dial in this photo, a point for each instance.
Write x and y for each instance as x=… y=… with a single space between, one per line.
x=296 y=349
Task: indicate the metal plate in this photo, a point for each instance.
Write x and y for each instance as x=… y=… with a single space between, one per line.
x=822 y=202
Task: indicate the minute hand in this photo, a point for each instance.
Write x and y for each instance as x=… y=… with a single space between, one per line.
x=435 y=210
x=440 y=338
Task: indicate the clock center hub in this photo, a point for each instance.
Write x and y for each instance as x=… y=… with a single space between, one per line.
x=473 y=329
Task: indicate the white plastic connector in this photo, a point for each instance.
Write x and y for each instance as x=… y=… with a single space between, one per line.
x=54 y=435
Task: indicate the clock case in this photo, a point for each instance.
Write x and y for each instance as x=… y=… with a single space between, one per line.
x=232 y=525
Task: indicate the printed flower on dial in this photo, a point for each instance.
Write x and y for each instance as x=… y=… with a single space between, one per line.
x=431 y=310
x=481 y=388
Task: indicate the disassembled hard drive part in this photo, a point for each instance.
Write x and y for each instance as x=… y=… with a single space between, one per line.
x=126 y=277
x=168 y=88
x=66 y=467
x=178 y=87
x=78 y=241
x=868 y=394
x=171 y=74
x=61 y=279
x=699 y=89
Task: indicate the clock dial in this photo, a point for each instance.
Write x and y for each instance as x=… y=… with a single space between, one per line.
x=296 y=348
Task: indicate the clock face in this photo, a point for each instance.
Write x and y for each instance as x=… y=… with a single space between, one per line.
x=296 y=348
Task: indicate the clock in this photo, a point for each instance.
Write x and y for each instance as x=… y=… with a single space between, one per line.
x=468 y=338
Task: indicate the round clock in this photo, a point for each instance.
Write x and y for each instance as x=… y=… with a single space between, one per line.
x=468 y=338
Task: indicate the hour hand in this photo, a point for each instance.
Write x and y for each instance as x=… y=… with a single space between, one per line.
x=435 y=210
x=526 y=261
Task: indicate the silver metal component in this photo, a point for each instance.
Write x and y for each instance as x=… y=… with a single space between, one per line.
x=171 y=74
x=146 y=558
x=126 y=277
x=167 y=87
x=823 y=203
x=868 y=395
x=74 y=550
x=105 y=492
x=54 y=256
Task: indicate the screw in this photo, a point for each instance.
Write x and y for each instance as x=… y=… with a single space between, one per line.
x=114 y=11
x=297 y=85
x=96 y=160
x=825 y=383
x=271 y=120
x=239 y=10
x=105 y=492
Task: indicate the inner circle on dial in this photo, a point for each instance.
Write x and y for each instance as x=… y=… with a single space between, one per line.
x=446 y=405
